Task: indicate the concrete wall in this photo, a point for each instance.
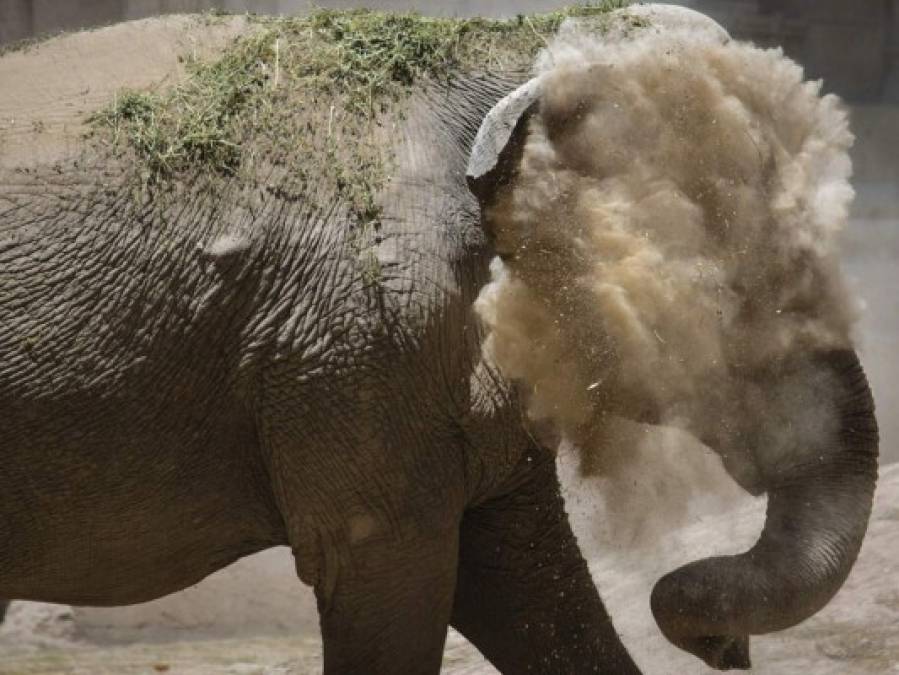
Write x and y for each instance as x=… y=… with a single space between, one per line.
x=854 y=45
x=847 y=43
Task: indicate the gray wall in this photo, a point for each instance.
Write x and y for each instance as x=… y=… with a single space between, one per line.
x=852 y=44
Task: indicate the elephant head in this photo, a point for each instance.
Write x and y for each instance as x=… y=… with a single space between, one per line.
x=819 y=485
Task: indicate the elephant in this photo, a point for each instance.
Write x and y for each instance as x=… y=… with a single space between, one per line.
x=189 y=382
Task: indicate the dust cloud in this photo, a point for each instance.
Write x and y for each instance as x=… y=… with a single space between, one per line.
x=668 y=247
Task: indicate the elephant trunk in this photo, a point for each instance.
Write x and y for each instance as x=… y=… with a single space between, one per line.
x=818 y=510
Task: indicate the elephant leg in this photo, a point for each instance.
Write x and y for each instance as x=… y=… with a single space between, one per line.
x=4 y=605
x=524 y=595
x=388 y=609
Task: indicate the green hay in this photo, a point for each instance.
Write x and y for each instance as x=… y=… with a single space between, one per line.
x=301 y=98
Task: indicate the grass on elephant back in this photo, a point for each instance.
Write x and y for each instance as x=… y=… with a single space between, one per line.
x=304 y=100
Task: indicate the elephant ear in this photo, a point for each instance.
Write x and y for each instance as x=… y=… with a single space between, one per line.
x=500 y=140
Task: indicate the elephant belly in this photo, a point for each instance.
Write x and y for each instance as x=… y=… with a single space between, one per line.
x=95 y=517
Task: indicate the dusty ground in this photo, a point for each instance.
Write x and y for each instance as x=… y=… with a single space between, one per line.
x=857 y=633
x=50 y=89
x=209 y=629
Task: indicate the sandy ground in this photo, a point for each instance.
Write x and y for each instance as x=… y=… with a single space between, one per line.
x=50 y=89
x=254 y=618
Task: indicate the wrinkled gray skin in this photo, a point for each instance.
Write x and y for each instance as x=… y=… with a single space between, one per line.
x=174 y=398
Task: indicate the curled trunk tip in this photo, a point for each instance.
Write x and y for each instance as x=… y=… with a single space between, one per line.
x=817 y=516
